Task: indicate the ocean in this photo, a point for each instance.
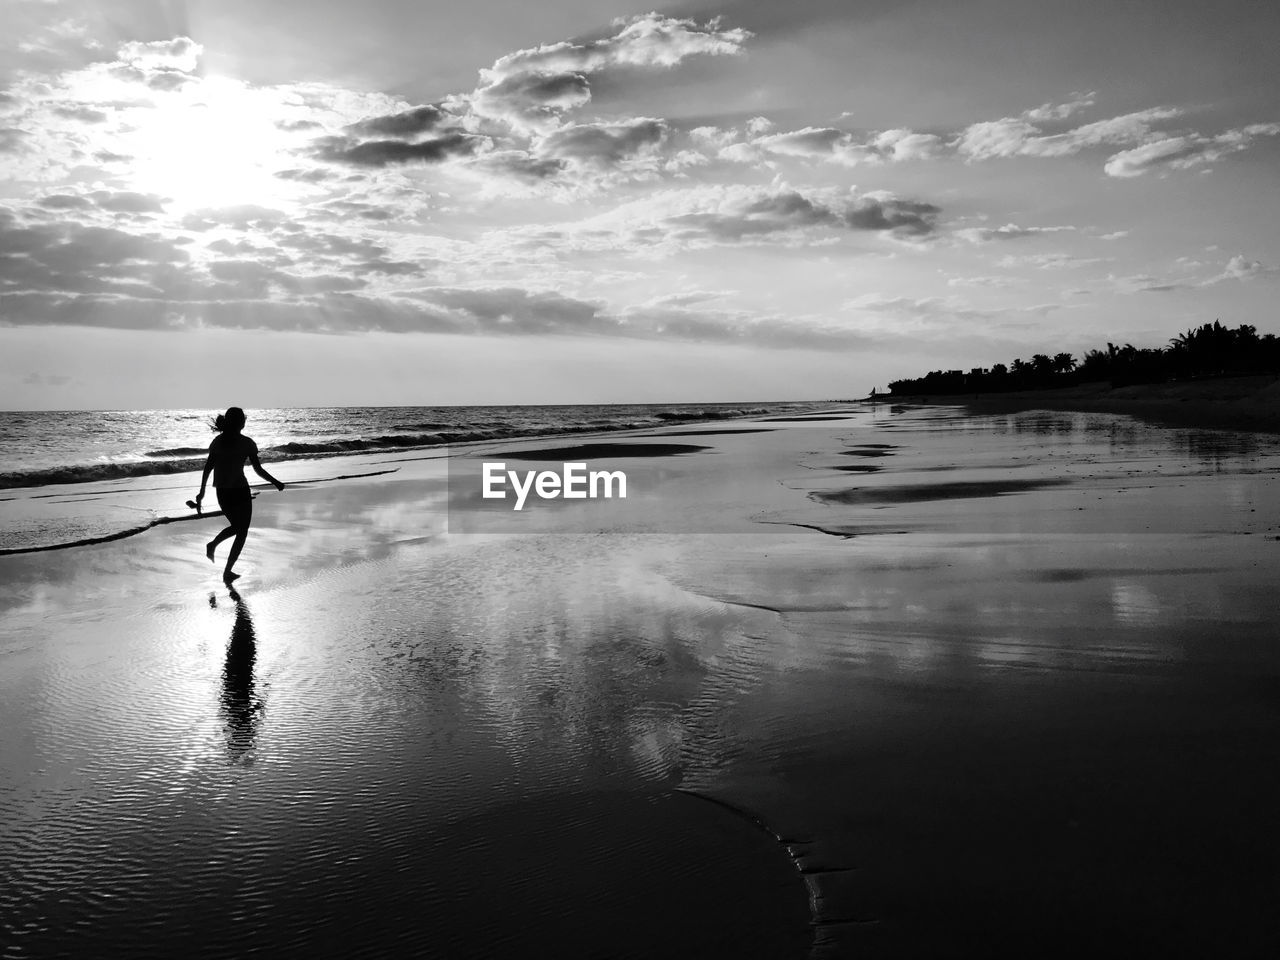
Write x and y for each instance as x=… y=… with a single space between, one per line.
x=66 y=476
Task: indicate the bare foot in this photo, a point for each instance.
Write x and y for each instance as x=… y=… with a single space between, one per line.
x=209 y=548
x=229 y=576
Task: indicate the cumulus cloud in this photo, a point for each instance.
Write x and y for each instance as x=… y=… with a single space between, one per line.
x=124 y=202
x=179 y=53
x=12 y=139
x=1185 y=152
x=533 y=89
x=831 y=145
x=1019 y=137
x=730 y=215
x=633 y=145
x=1240 y=267
x=382 y=153
x=161 y=64
x=1060 y=111
x=405 y=123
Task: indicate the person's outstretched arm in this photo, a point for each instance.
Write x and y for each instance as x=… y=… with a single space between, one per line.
x=258 y=469
x=204 y=477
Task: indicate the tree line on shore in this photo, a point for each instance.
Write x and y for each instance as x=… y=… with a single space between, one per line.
x=1211 y=350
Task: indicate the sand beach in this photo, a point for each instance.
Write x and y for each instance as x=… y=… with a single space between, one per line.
x=1249 y=403
x=890 y=682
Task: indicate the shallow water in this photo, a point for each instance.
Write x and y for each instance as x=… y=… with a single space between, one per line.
x=1013 y=694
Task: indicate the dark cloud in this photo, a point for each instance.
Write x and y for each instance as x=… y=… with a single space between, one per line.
x=518 y=165
x=127 y=202
x=514 y=310
x=532 y=99
x=38 y=379
x=909 y=217
x=64 y=201
x=241 y=217
x=408 y=123
x=394 y=267
x=382 y=153
x=790 y=210
x=82 y=113
x=112 y=202
x=700 y=326
x=605 y=144
x=358 y=208
x=11 y=139
x=293 y=126
x=76 y=259
x=252 y=279
x=304 y=176
x=532 y=89
x=167 y=80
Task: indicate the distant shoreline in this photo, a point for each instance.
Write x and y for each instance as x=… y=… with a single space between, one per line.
x=1249 y=403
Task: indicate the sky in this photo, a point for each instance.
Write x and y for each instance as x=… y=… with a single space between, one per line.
x=322 y=203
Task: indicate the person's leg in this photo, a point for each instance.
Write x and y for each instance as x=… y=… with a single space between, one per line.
x=213 y=544
x=239 y=511
x=236 y=546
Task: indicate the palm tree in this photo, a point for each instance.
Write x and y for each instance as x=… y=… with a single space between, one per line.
x=1063 y=363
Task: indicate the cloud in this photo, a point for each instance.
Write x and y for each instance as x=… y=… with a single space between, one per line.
x=73 y=258
x=1185 y=152
x=180 y=53
x=606 y=145
x=983 y=282
x=12 y=139
x=531 y=102
x=64 y=201
x=532 y=89
x=1050 y=261
x=1019 y=137
x=123 y=202
x=733 y=215
x=515 y=310
x=406 y=123
x=515 y=167
x=1240 y=267
x=1010 y=231
x=667 y=221
x=938 y=316
x=902 y=145
x=38 y=379
x=836 y=146
x=1060 y=111
x=82 y=113
x=382 y=153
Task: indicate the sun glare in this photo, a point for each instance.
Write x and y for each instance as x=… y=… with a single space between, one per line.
x=212 y=143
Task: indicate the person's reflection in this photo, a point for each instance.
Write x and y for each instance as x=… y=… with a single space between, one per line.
x=241 y=707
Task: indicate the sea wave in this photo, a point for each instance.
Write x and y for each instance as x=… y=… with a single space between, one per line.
x=177 y=452
x=438 y=434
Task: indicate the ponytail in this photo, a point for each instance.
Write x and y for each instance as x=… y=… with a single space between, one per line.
x=232 y=421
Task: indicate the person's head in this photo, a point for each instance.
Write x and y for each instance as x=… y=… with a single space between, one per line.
x=230 y=422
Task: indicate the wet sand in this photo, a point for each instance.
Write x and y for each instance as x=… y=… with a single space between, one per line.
x=1012 y=694
x=1228 y=403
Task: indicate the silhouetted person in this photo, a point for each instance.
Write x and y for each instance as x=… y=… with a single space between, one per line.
x=227 y=455
x=239 y=703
